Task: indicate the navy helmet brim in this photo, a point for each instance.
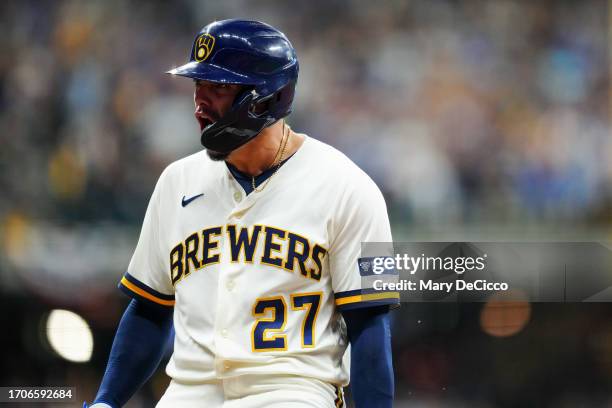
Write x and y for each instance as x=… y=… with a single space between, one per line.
x=213 y=73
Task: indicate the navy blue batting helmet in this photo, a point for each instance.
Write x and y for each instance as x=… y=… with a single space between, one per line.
x=252 y=54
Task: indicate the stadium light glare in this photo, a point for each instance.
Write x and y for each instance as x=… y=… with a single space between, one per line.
x=69 y=336
x=505 y=314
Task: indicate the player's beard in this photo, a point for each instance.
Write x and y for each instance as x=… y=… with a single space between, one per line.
x=216 y=156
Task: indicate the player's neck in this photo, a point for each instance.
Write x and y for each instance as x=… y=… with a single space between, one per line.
x=258 y=155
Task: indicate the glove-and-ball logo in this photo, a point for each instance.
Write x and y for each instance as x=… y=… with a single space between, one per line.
x=203 y=46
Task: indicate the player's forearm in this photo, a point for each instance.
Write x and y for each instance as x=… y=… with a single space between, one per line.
x=372 y=383
x=137 y=350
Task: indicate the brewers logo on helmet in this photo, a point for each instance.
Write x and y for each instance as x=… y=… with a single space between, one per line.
x=203 y=47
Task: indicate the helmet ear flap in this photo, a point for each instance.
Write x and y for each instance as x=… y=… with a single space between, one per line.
x=281 y=99
x=261 y=107
x=254 y=103
x=275 y=103
x=242 y=94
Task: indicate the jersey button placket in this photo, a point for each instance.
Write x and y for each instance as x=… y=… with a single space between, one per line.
x=230 y=285
x=226 y=309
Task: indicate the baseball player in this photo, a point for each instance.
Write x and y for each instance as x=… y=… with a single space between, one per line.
x=250 y=249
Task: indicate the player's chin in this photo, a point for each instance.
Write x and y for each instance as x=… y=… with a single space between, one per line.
x=216 y=156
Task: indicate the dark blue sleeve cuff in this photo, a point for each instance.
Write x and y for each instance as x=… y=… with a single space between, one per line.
x=361 y=298
x=138 y=290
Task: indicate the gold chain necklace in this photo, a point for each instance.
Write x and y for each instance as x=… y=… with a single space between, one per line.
x=282 y=146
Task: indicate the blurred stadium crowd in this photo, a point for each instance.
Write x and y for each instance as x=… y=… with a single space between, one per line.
x=461 y=111
x=464 y=112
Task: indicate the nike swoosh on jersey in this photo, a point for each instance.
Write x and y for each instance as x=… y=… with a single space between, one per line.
x=186 y=201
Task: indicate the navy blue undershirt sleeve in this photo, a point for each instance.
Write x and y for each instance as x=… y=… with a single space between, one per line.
x=369 y=331
x=139 y=345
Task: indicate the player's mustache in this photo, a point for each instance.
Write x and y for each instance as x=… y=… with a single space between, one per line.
x=203 y=111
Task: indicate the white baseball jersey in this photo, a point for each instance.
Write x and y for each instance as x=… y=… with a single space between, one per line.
x=257 y=281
